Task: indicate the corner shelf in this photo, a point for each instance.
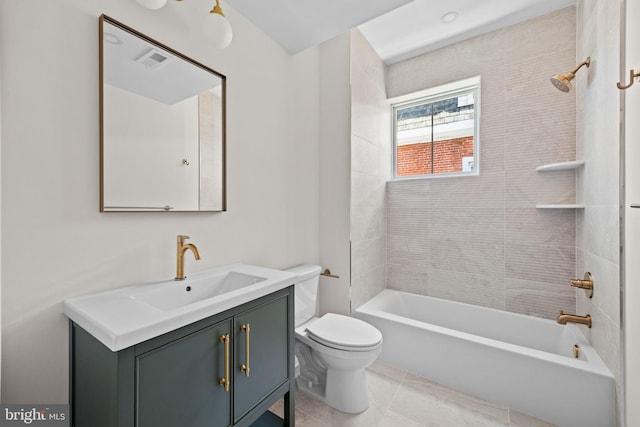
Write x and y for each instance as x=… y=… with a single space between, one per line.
x=575 y=164
x=564 y=206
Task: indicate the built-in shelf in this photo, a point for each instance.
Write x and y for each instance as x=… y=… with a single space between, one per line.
x=575 y=164
x=565 y=206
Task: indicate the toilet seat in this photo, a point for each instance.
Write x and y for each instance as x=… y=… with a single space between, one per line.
x=344 y=333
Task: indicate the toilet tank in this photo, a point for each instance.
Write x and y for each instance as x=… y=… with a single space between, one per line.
x=306 y=291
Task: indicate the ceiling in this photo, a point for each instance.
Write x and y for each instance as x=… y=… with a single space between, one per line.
x=137 y=66
x=397 y=29
x=299 y=24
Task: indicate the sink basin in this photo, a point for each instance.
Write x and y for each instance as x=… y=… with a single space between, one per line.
x=120 y=318
x=186 y=292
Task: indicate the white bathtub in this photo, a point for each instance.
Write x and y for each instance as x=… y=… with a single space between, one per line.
x=521 y=362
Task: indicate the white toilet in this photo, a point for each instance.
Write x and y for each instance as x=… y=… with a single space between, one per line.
x=333 y=350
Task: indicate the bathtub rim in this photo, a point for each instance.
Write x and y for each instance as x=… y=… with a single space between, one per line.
x=594 y=364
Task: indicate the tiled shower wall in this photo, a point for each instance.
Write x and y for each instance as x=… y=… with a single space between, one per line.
x=370 y=170
x=598 y=144
x=480 y=239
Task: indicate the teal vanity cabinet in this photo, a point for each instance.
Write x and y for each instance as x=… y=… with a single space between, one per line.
x=175 y=382
x=261 y=354
x=224 y=370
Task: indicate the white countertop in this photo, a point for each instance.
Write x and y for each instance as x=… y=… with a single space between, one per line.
x=123 y=317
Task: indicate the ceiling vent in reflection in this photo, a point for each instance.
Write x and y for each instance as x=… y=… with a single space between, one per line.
x=154 y=59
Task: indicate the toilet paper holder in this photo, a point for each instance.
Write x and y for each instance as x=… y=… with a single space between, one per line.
x=327 y=273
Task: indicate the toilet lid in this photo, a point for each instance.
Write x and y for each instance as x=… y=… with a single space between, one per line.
x=344 y=332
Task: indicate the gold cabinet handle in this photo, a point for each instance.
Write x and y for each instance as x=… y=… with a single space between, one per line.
x=224 y=382
x=247 y=330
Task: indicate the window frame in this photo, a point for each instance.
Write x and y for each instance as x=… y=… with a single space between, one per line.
x=431 y=95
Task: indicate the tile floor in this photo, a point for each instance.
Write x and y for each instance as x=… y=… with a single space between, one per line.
x=401 y=399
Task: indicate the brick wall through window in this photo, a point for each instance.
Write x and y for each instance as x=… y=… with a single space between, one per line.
x=415 y=159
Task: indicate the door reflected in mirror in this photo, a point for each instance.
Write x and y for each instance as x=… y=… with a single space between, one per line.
x=162 y=126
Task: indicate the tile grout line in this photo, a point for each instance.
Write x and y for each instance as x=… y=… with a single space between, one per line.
x=388 y=406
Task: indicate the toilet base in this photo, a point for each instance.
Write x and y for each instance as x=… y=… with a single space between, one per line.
x=344 y=391
x=347 y=391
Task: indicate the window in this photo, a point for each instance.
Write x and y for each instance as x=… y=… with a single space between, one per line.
x=436 y=131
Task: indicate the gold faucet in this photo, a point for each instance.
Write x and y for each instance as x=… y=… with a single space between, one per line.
x=572 y=318
x=182 y=248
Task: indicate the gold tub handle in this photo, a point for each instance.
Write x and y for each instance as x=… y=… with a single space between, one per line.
x=586 y=284
x=247 y=330
x=224 y=382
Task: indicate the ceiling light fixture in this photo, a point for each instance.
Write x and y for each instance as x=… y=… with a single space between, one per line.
x=152 y=4
x=111 y=38
x=449 y=17
x=216 y=28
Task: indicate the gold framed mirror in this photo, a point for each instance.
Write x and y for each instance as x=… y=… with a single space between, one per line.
x=162 y=127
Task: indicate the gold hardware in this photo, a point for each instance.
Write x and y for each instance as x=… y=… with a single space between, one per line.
x=224 y=382
x=563 y=319
x=632 y=75
x=182 y=248
x=327 y=273
x=576 y=351
x=563 y=82
x=586 y=284
x=247 y=330
x=217 y=9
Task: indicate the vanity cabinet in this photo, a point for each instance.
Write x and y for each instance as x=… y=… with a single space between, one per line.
x=225 y=370
x=261 y=348
x=176 y=382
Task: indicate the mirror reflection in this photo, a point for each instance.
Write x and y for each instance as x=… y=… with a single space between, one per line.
x=162 y=126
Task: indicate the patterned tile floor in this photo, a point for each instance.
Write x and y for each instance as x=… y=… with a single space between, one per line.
x=401 y=399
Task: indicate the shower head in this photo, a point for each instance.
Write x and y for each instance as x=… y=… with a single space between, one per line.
x=563 y=82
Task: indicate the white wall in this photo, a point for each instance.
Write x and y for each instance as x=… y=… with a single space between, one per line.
x=1 y=56
x=56 y=243
x=335 y=172
x=301 y=156
x=598 y=144
x=632 y=220
x=140 y=128
x=370 y=170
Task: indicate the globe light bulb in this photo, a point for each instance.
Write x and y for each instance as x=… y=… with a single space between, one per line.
x=217 y=29
x=152 y=4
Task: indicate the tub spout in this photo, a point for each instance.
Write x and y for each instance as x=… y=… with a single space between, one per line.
x=563 y=319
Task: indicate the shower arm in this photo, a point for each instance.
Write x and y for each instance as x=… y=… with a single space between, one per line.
x=586 y=62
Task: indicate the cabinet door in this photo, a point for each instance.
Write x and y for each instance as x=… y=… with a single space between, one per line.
x=178 y=383
x=267 y=353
